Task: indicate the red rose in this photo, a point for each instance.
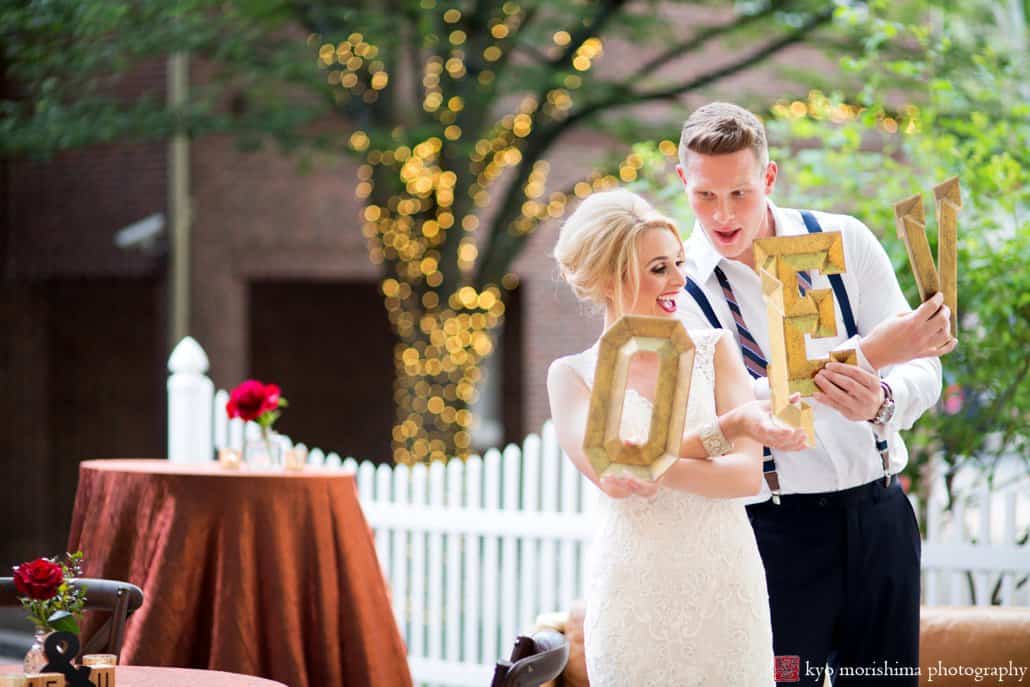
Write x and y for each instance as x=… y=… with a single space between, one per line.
x=252 y=398
x=38 y=579
x=271 y=397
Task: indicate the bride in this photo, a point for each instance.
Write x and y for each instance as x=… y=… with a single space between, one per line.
x=676 y=591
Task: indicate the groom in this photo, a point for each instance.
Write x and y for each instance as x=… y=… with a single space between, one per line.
x=837 y=535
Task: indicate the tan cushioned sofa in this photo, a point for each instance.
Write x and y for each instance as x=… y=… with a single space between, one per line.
x=955 y=643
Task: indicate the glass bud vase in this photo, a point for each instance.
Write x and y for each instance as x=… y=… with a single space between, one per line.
x=263 y=450
x=36 y=658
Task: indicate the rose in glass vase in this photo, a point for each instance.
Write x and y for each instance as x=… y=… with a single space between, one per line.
x=54 y=600
x=254 y=401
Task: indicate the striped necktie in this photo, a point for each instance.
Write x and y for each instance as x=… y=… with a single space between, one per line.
x=804 y=283
x=755 y=362
x=753 y=358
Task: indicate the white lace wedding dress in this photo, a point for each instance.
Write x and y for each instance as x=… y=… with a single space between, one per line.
x=676 y=592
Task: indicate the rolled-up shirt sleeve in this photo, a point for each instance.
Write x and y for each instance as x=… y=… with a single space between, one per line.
x=761 y=387
x=916 y=384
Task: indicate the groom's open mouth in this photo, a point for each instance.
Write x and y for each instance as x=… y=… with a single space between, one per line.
x=726 y=236
x=667 y=303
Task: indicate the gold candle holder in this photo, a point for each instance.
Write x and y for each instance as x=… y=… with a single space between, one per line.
x=295 y=459
x=602 y=443
x=100 y=660
x=911 y=224
x=230 y=458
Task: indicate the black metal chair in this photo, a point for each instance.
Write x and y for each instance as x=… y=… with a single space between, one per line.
x=119 y=599
x=534 y=660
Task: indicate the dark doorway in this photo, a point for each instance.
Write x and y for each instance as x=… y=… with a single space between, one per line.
x=85 y=364
x=330 y=347
x=107 y=375
x=513 y=370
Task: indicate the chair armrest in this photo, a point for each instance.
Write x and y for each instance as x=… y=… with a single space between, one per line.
x=534 y=661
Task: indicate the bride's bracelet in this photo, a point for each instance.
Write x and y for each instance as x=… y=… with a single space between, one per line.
x=714 y=441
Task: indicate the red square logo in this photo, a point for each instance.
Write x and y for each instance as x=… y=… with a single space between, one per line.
x=788 y=669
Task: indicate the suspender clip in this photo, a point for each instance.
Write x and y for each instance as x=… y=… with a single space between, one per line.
x=885 y=460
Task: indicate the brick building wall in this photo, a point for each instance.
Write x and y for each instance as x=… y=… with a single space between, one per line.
x=82 y=336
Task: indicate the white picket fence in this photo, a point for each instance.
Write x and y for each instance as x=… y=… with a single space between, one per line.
x=473 y=551
x=973 y=553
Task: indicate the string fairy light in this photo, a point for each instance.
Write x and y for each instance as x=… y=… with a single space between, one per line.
x=413 y=196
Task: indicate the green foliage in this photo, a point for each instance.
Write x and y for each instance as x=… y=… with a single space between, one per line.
x=971 y=119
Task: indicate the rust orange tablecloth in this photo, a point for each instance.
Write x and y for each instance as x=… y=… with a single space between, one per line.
x=263 y=573
x=140 y=676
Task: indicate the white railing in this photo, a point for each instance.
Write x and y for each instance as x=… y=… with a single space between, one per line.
x=972 y=554
x=473 y=551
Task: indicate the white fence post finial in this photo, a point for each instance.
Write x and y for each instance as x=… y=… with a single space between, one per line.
x=190 y=399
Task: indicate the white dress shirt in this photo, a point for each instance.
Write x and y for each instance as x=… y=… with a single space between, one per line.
x=845 y=454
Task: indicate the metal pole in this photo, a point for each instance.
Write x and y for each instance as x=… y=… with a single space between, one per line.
x=178 y=206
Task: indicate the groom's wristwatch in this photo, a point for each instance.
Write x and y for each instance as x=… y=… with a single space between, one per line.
x=886 y=411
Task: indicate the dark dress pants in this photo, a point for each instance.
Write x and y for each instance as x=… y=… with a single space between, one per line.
x=843 y=575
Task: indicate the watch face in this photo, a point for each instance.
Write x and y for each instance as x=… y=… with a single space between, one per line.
x=886 y=412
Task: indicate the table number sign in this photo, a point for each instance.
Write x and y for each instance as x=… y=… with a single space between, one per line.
x=602 y=443
x=792 y=315
x=61 y=648
x=101 y=668
x=102 y=676
x=911 y=222
x=45 y=680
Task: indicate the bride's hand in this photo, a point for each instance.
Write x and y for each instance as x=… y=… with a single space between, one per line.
x=622 y=486
x=754 y=420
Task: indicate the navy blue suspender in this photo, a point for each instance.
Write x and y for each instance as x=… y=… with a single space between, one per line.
x=702 y=300
x=836 y=281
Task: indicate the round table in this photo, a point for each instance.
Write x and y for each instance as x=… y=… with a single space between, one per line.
x=265 y=573
x=146 y=676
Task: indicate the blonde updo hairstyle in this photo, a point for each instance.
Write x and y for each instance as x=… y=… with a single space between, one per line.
x=599 y=241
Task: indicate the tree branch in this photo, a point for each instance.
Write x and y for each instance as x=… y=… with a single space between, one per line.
x=509 y=44
x=532 y=51
x=413 y=51
x=503 y=244
x=757 y=57
x=704 y=35
x=605 y=12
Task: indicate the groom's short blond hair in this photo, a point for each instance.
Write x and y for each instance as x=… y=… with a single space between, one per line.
x=723 y=128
